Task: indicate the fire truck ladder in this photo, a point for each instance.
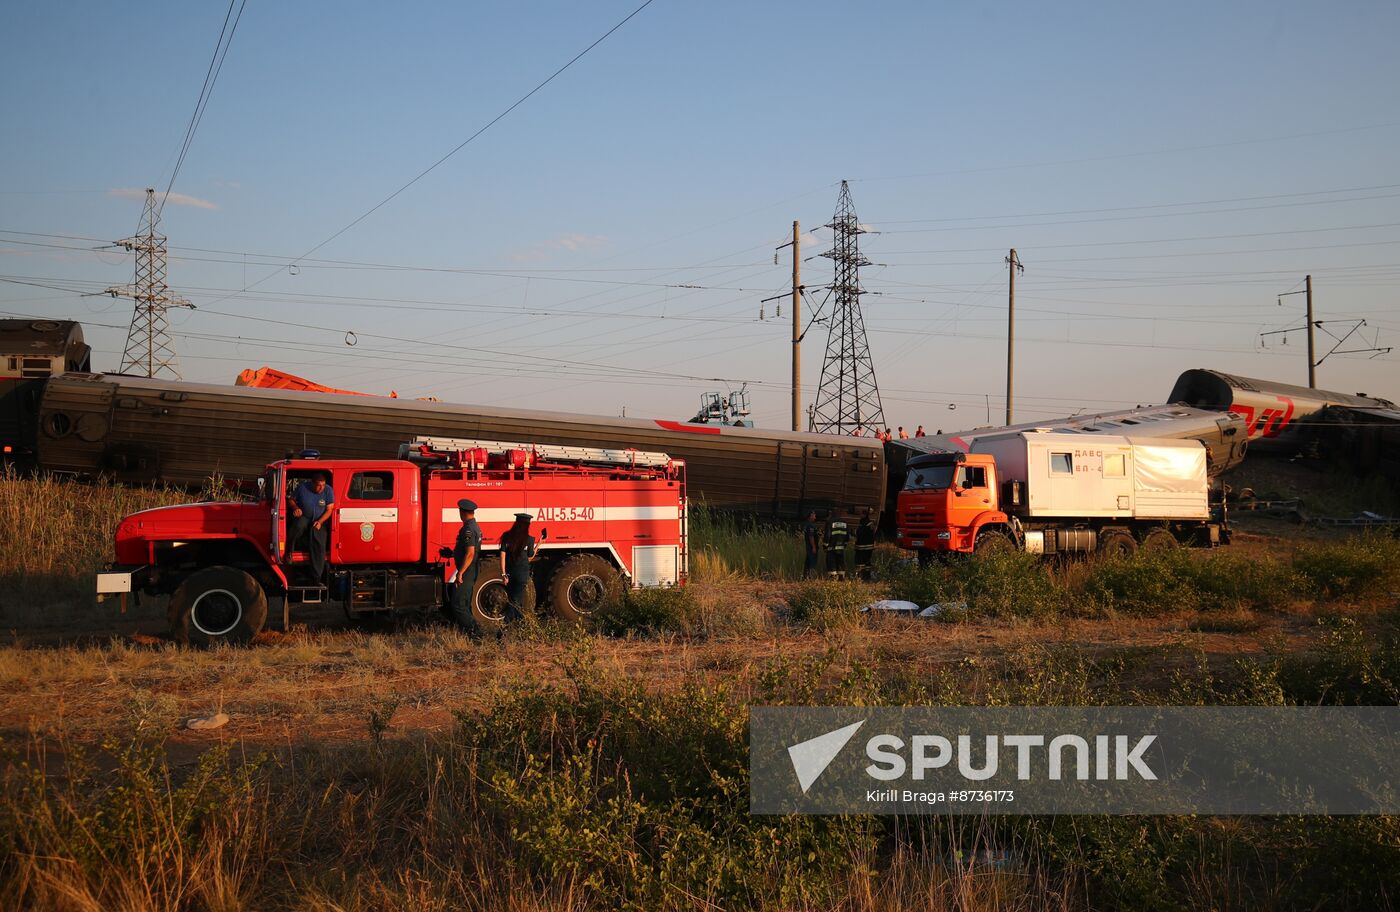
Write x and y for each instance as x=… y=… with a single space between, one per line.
x=595 y=455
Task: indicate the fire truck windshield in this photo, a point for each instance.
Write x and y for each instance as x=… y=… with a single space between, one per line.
x=929 y=477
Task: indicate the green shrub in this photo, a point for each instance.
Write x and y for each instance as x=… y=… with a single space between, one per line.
x=649 y=612
x=1005 y=584
x=824 y=604
x=1361 y=567
x=1147 y=582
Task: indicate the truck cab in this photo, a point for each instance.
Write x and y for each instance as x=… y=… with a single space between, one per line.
x=947 y=501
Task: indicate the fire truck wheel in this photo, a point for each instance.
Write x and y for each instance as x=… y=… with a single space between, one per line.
x=581 y=585
x=489 y=601
x=217 y=605
x=1159 y=540
x=1117 y=543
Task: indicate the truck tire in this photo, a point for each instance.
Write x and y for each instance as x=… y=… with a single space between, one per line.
x=1159 y=540
x=992 y=541
x=489 y=600
x=1117 y=543
x=581 y=585
x=217 y=605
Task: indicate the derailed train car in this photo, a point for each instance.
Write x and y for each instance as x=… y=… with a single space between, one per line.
x=31 y=351
x=1287 y=419
x=140 y=430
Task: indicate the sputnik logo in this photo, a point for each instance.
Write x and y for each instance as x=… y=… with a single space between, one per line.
x=811 y=758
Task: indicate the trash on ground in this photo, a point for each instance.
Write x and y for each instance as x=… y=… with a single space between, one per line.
x=913 y=609
x=218 y=720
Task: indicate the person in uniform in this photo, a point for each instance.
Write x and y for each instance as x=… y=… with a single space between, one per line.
x=865 y=546
x=811 y=544
x=466 y=554
x=517 y=552
x=311 y=511
x=837 y=535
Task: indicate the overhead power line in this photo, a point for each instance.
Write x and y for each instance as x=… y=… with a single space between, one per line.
x=211 y=76
x=463 y=144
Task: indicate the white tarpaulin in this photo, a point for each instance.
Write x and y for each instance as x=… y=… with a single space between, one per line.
x=1170 y=469
x=1169 y=482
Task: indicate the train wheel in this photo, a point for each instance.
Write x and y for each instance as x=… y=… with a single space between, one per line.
x=1117 y=543
x=1159 y=540
x=217 y=605
x=489 y=602
x=581 y=585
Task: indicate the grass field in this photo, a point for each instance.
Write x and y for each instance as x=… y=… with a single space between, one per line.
x=410 y=768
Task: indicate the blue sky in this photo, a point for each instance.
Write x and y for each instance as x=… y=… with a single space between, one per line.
x=1164 y=176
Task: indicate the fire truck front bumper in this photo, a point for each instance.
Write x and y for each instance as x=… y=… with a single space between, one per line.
x=119 y=581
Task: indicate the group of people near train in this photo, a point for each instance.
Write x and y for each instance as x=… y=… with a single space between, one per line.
x=860 y=431
x=833 y=540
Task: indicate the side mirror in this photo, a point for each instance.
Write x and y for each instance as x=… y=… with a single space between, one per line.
x=262 y=488
x=544 y=534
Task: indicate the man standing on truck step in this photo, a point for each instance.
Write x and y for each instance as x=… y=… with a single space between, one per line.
x=311 y=510
x=865 y=546
x=517 y=551
x=837 y=536
x=465 y=554
x=811 y=544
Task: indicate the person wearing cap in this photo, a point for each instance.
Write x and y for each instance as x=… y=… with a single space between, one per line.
x=517 y=551
x=465 y=555
x=311 y=510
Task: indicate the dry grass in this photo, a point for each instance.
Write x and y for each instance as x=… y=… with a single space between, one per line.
x=375 y=796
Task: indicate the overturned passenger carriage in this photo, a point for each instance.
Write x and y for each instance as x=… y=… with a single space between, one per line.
x=136 y=429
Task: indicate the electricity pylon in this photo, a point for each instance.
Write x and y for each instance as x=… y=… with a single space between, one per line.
x=848 y=398
x=150 y=350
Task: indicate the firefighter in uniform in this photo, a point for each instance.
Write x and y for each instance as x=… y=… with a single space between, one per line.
x=517 y=552
x=865 y=546
x=466 y=554
x=837 y=534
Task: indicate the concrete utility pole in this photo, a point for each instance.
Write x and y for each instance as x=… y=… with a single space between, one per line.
x=1013 y=266
x=796 y=327
x=1312 y=360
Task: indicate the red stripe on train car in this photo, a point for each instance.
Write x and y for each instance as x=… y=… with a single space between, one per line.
x=688 y=428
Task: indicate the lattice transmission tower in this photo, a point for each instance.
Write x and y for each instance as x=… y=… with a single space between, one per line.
x=847 y=397
x=150 y=350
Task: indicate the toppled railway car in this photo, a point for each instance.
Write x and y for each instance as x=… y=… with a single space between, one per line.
x=142 y=430
x=31 y=351
x=1280 y=417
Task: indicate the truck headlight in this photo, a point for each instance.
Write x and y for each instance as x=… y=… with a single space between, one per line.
x=944 y=536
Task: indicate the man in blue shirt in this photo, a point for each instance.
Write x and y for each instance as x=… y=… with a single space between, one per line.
x=311 y=513
x=466 y=555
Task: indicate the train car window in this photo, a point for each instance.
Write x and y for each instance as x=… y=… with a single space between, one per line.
x=1061 y=464
x=1113 y=465
x=371 y=486
x=34 y=368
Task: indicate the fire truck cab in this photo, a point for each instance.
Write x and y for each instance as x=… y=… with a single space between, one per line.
x=603 y=519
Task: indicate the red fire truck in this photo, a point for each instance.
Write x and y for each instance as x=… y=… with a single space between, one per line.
x=603 y=518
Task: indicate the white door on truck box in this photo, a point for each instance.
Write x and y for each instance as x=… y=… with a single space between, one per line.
x=656 y=565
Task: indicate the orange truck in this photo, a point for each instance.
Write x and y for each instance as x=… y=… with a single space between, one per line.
x=1049 y=493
